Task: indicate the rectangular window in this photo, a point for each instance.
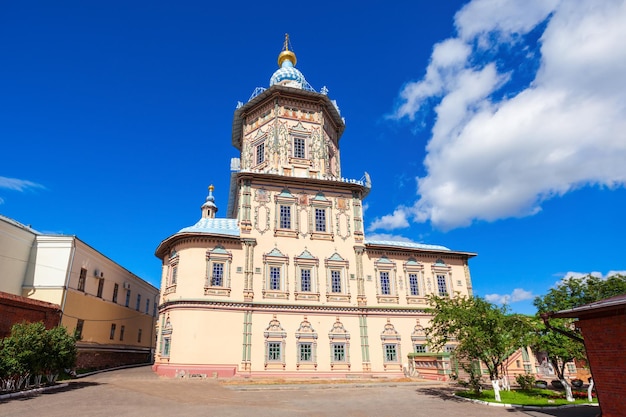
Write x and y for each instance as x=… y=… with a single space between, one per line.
x=122 y=328
x=112 y=334
x=413 y=284
x=174 y=274
x=127 y=303
x=154 y=309
x=299 y=148
x=147 y=305
x=305 y=280
x=527 y=368
x=78 y=332
x=385 y=287
x=138 y=303
x=275 y=278
x=81 y=279
x=391 y=354
x=571 y=368
x=139 y=336
x=100 y=287
x=441 y=285
x=335 y=281
x=339 y=352
x=449 y=348
x=305 y=352
x=116 y=289
x=320 y=220
x=166 y=346
x=285 y=217
x=260 y=153
x=420 y=349
x=274 y=351
x=217 y=275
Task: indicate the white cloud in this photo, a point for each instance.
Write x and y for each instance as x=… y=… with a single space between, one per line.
x=16 y=184
x=389 y=237
x=518 y=294
x=396 y=220
x=574 y=274
x=490 y=157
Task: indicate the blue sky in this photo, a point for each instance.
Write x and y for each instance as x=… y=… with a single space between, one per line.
x=496 y=127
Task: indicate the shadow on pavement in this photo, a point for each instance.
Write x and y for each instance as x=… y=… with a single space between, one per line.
x=26 y=395
x=443 y=393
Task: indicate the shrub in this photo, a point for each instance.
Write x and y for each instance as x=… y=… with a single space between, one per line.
x=577 y=383
x=525 y=381
x=31 y=351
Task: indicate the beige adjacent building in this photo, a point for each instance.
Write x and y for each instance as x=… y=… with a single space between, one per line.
x=110 y=308
x=287 y=283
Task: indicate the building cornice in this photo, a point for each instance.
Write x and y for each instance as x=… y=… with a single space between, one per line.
x=290 y=308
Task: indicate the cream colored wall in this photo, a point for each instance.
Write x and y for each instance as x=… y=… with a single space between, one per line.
x=16 y=243
x=98 y=315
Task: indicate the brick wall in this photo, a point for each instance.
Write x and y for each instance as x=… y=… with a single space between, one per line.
x=605 y=337
x=16 y=309
x=93 y=359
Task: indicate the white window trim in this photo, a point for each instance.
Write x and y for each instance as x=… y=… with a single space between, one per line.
x=383 y=264
x=291 y=202
x=342 y=267
x=218 y=255
x=313 y=265
x=281 y=262
x=417 y=269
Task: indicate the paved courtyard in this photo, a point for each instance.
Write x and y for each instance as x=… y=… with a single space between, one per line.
x=138 y=392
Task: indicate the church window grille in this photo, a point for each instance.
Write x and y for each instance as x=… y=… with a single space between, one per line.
x=299 y=147
x=442 y=286
x=305 y=352
x=260 y=153
x=339 y=352
x=385 y=286
x=391 y=353
x=275 y=278
x=217 y=276
x=320 y=220
x=414 y=284
x=335 y=281
x=285 y=217
x=305 y=280
x=274 y=352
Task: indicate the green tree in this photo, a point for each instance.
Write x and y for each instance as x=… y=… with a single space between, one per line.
x=484 y=332
x=61 y=352
x=570 y=293
x=31 y=351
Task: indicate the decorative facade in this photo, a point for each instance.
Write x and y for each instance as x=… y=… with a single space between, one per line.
x=287 y=283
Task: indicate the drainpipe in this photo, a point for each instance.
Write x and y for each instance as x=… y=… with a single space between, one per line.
x=66 y=286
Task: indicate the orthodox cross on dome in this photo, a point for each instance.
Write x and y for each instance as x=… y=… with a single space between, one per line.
x=286 y=54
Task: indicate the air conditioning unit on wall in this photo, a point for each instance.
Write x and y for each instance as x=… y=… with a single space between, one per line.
x=98 y=274
x=127 y=285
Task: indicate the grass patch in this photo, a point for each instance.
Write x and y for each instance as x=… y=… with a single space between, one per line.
x=535 y=397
